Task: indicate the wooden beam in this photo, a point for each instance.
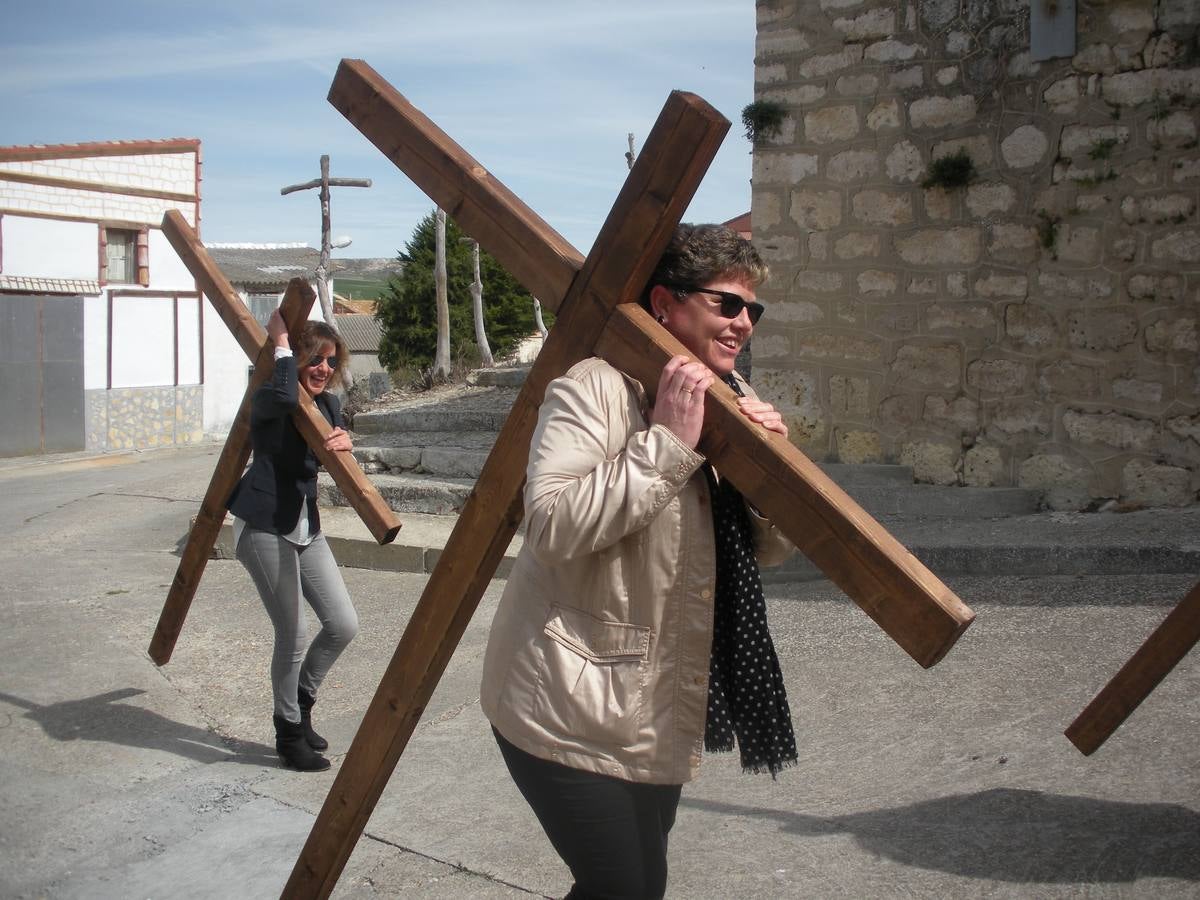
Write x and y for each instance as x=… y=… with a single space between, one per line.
x=875 y=570
x=357 y=488
x=297 y=301
x=1170 y=642
x=666 y=175
x=532 y=252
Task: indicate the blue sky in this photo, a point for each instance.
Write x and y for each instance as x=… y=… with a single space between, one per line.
x=541 y=93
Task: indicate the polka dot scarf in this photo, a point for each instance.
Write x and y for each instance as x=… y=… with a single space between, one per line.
x=746 y=696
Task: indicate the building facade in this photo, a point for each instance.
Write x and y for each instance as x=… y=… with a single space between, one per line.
x=103 y=328
x=981 y=217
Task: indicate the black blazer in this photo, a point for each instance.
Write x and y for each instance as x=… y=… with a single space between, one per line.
x=283 y=470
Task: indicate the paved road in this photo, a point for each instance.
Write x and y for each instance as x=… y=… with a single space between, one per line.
x=120 y=779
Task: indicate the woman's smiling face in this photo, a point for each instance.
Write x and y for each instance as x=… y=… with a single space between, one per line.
x=315 y=378
x=696 y=320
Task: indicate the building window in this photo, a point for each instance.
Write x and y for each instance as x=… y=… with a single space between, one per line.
x=262 y=305
x=124 y=256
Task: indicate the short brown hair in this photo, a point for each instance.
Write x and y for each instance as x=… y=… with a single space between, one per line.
x=312 y=335
x=700 y=254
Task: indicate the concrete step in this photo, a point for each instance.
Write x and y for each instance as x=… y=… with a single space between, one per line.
x=411 y=493
x=500 y=376
x=456 y=454
x=471 y=409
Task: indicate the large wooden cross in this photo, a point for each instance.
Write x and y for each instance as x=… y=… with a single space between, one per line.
x=358 y=489
x=1170 y=642
x=597 y=315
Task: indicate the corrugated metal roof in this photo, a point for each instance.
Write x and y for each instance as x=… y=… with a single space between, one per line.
x=361 y=333
x=264 y=266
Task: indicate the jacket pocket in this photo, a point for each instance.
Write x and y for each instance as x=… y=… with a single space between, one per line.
x=593 y=678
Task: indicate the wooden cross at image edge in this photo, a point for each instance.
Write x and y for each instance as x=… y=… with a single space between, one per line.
x=597 y=315
x=354 y=484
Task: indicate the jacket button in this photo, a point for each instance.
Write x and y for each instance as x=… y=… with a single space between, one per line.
x=699 y=680
x=705 y=594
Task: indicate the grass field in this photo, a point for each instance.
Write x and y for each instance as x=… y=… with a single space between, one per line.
x=359 y=288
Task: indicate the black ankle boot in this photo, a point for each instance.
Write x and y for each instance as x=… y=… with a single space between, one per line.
x=293 y=749
x=306 y=701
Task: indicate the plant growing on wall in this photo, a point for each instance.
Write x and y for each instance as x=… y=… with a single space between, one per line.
x=1047 y=229
x=763 y=119
x=952 y=171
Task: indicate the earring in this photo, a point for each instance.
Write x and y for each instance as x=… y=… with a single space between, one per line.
x=660 y=319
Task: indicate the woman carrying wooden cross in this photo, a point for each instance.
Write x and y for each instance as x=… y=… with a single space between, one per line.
x=632 y=631
x=277 y=533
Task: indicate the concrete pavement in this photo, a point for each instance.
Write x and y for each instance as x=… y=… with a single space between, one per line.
x=121 y=779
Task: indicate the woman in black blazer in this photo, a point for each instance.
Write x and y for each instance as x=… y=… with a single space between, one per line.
x=277 y=531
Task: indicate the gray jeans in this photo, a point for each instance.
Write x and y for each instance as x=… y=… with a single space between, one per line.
x=283 y=573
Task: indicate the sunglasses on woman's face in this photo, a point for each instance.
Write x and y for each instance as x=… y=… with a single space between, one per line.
x=331 y=361
x=731 y=305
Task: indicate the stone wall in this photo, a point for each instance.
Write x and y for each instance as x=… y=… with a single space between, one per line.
x=145 y=417
x=1037 y=327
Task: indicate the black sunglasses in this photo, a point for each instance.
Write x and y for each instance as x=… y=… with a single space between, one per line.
x=331 y=361
x=731 y=304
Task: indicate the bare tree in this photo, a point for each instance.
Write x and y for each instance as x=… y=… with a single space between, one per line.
x=485 y=351
x=537 y=318
x=629 y=156
x=323 y=294
x=441 y=361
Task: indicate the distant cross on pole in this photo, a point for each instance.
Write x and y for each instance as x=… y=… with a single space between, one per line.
x=325 y=183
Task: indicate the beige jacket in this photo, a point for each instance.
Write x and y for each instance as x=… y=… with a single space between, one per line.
x=599 y=650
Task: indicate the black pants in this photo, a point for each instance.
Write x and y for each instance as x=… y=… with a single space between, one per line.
x=612 y=834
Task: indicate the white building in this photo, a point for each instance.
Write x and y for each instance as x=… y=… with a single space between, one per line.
x=105 y=342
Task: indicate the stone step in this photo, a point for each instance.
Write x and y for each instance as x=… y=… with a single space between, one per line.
x=425 y=494
x=438 y=491
x=500 y=376
x=470 y=409
x=457 y=454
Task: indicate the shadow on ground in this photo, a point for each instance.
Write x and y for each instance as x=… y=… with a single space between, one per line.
x=1015 y=836
x=104 y=719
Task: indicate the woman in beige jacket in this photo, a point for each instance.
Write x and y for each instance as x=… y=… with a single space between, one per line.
x=632 y=631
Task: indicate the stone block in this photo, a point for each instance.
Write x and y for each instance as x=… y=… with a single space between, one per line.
x=1185 y=169
x=1185 y=428
x=767 y=74
x=849 y=396
x=1016 y=243
x=1024 y=147
x=978 y=147
x=875 y=23
x=892 y=50
x=767 y=209
x=937 y=14
x=778 y=249
x=931 y=463
x=1063 y=95
x=939 y=203
x=860 y=85
x=858 y=447
x=1017 y=419
x=874 y=282
x=937 y=366
x=800 y=95
x=1155 y=287
x=941 y=112
x=795 y=312
x=904 y=163
x=831 y=124
x=984 y=466
x=1101 y=329
x=941 y=246
x=1138 y=390
x=907 y=79
x=857 y=245
x=1110 y=429
x=1095 y=58
x=957 y=318
x=946 y=75
x=1078 y=244
x=1064 y=378
x=959 y=414
x=1057 y=286
x=816 y=210
x=991 y=197
x=885 y=114
x=1005 y=377
x=875 y=207
x=1128 y=88
x=1173 y=337
x=895 y=319
x=996 y=284
x=898 y=411
x=838 y=346
x=1082 y=139
x=956 y=284
x=827 y=63
x=819 y=281
x=1062 y=482
x=852 y=165
x=1146 y=483
x=1179 y=246
x=922 y=284
x=775 y=167
x=1131 y=21
x=1030 y=326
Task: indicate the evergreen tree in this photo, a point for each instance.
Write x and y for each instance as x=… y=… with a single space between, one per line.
x=408 y=313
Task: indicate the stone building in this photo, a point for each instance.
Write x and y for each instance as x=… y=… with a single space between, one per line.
x=1034 y=326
